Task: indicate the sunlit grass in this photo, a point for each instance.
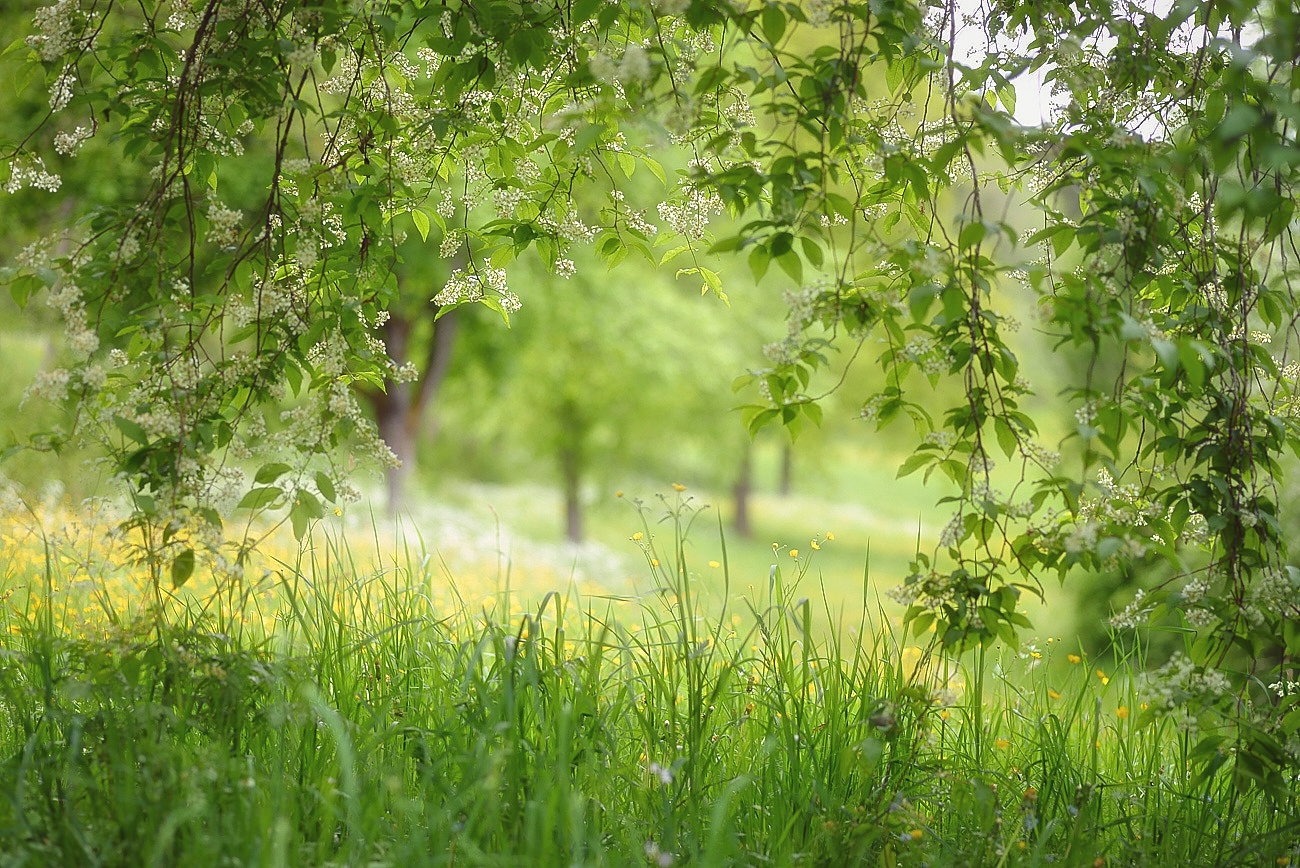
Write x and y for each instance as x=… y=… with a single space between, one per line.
x=352 y=704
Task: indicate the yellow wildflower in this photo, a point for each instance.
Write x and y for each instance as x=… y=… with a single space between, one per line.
x=1122 y=712
x=1074 y=658
x=794 y=553
x=1053 y=694
x=815 y=545
x=637 y=536
x=1002 y=744
x=678 y=487
x=714 y=564
x=830 y=536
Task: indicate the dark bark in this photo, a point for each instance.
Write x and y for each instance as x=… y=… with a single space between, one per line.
x=400 y=410
x=571 y=471
x=787 y=469
x=741 y=491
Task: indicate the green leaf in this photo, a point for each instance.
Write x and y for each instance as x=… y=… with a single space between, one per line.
x=893 y=75
x=182 y=568
x=309 y=504
x=711 y=281
x=270 y=473
x=792 y=265
x=1167 y=351
x=773 y=23
x=421 y=221
x=915 y=462
x=132 y=430
x=325 y=486
x=812 y=250
x=1193 y=364
x=260 y=498
x=300 y=521
x=759 y=260
x=1007 y=95
x=971 y=234
x=1006 y=436
x=1240 y=121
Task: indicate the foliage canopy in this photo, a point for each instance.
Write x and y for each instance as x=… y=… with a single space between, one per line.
x=285 y=150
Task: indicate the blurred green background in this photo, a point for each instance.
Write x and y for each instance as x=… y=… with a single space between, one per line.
x=609 y=381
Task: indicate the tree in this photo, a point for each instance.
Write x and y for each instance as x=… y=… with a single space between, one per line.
x=607 y=374
x=291 y=147
x=417 y=334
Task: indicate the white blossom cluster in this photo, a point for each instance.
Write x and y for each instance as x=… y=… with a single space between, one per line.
x=1134 y=614
x=271 y=301
x=50 y=385
x=689 y=216
x=58 y=29
x=633 y=67
x=1180 y=690
x=933 y=591
x=953 y=531
x=465 y=286
x=802 y=304
x=31 y=173
x=223 y=225
x=818 y=12
x=1277 y=591
x=1285 y=688
x=1038 y=454
x=61 y=91
x=67 y=300
x=569 y=227
x=782 y=352
x=631 y=217
x=870 y=411
x=68 y=144
x=928 y=355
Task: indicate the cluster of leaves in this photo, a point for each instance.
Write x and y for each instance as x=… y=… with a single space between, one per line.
x=289 y=150
x=1164 y=182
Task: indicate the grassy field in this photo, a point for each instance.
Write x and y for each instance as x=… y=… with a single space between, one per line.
x=364 y=701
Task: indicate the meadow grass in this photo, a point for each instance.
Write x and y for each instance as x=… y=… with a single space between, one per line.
x=347 y=706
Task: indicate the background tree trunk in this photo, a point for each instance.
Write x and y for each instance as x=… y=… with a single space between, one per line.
x=787 y=468
x=571 y=471
x=400 y=410
x=744 y=486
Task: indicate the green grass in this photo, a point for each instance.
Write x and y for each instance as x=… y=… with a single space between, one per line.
x=364 y=724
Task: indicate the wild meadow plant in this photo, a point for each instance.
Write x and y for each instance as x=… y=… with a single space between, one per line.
x=368 y=715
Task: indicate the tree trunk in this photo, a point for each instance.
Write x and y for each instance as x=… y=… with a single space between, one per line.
x=401 y=408
x=391 y=417
x=437 y=363
x=393 y=410
x=741 y=491
x=571 y=471
x=787 y=469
